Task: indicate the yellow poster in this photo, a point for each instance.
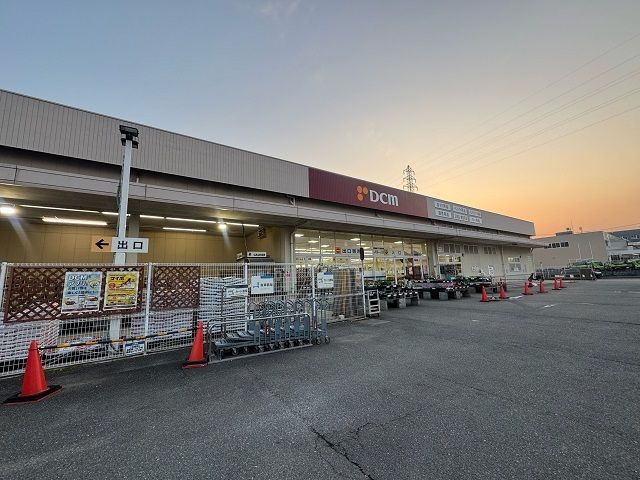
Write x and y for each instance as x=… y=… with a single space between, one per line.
x=121 y=290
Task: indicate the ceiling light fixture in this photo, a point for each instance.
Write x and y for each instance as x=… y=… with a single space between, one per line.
x=41 y=207
x=235 y=224
x=313 y=241
x=74 y=221
x=190 y=220
x=251 y=225
x=222 y=226
x=398 y=242
x=324 y=246
x=355 y=239
x=152 y=217
x=184 y=229
x=114 y=214
x=7 y=210
x=298 y=235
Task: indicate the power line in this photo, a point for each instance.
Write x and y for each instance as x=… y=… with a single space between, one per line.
x=563 y=122
x=547 y=114
x=544 y=143
x=594 y=229
x=541 y=90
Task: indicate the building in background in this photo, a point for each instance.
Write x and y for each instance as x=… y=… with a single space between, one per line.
x=567 y=247
x=631 y=236
x=199 y=201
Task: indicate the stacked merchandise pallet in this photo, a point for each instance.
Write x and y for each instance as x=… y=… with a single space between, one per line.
x=216 y=309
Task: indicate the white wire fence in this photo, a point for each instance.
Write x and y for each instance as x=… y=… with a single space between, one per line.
x=84 y=313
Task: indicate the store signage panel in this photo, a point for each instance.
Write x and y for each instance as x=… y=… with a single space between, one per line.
x=262 y=285
x=256 y=254
x=332 y=187
x=236 y=291
x=465 y=215
x=325 y=280
x=347 y=251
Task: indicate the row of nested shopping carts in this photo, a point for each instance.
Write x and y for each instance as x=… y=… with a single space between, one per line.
x=268 y=325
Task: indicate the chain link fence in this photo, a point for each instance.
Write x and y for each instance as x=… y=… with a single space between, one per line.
x=85 y=313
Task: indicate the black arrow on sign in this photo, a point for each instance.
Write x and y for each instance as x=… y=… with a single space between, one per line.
x=101 y=244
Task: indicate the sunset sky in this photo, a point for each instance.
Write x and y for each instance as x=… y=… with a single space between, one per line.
x=530 y=109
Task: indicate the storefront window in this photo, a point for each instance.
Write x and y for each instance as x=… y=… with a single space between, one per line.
x=385 y=258
x=515 y=265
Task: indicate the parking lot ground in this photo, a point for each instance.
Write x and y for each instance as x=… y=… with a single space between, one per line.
x=546 y=386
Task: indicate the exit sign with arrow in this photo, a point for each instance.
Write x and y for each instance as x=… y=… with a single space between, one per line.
x=102 y=244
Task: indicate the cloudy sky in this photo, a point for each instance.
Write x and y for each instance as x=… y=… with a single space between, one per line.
x=530 y=109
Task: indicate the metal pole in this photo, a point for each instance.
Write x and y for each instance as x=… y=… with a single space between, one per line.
x=129 y=139
x=246 y=282
x=364 y=300
x=3 y=275
x=313 y=291
x=120 y=257
x=147 y=306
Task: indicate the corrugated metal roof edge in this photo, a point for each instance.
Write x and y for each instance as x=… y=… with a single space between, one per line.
x=153 y=128
x=217 y=143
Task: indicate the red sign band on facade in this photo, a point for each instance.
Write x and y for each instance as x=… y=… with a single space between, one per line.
x=336 y=188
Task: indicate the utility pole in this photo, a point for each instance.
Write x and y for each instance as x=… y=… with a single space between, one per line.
x=129 y=139
x=409 y=180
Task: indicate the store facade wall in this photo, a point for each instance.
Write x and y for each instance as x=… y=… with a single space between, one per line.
x=473 y=259
x=275 y=241
x=38 y=243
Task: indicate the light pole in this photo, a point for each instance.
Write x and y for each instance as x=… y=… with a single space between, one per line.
x=129 y=139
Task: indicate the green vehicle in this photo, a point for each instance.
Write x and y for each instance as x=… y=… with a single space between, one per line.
x=616 y=266
x=596 y=267
x=634 y=262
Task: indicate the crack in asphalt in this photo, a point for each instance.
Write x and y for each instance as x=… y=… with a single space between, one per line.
x=340 y=451
x=301 y=416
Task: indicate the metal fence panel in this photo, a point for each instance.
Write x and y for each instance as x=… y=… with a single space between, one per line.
x=169 y=302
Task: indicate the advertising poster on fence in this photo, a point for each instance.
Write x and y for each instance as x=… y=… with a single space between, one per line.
x=121 y=290
x=81 y=292
x=262 y=285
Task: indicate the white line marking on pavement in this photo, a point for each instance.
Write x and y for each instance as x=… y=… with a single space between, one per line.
x=547 y=306
x=585 y=303
x=519 y=296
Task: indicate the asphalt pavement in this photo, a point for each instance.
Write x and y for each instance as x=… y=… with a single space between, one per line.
x=538 y=387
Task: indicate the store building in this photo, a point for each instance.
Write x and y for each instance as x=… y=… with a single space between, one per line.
x=567 y=247
x=200 y=201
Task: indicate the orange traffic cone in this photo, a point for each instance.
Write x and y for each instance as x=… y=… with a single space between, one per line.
x=197 y=358
x=484 y=298
x=525 y=290
x=503 y=294
x=562 y=285
x=34 y=385
x=541 y=287
x=555 y=284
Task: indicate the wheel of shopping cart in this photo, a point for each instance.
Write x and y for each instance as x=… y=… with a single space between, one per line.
x=234 y=351
x=318 y=341
x=260 y=349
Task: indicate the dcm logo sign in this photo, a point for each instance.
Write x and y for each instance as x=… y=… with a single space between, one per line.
x=375 y=197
